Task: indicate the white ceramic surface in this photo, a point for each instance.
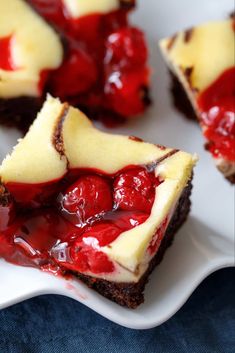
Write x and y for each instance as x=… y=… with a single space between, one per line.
x=205 y=243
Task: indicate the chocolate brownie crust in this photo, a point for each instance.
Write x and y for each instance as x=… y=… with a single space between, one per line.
x=231 y=178
x=180 y=99
x=131 y=294
x=19 y=112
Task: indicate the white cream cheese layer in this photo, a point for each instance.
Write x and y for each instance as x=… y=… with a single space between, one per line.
x=79 y=8
x=36 y=160
x=208 y=49
x=35 y=46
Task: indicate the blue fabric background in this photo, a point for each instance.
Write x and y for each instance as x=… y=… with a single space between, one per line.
x=54 y=324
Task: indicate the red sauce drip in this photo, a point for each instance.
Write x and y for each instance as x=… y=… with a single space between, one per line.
x=6 y=60
x=77 y=215
x=156 y=241
x=7 y=63
x=104 y=67
x=217 y=106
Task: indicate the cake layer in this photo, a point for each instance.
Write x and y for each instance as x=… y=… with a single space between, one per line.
x=62 y=141
x=23 y=34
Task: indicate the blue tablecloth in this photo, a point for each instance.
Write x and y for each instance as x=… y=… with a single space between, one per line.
x=54 y=324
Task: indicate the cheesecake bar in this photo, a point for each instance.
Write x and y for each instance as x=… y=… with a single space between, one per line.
x=103 y=207
x=202 y=65
x=84 y=52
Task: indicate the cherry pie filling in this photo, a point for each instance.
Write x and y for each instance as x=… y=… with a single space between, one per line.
x=105 y=61
x=77 y=215
x=217 y=107
x=6 y=60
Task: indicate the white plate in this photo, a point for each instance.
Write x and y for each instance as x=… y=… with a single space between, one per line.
x=205 y=243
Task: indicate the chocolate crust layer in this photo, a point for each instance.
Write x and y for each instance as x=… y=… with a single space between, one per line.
x=180 y=99
x=19 y=112
x=231 y=178
x=131 y=294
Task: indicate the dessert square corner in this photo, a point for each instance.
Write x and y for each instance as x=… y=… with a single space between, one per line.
x=62 y=147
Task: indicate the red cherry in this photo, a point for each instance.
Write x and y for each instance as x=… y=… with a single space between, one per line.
x=126 y=48
x=125 y=91
x=85 y=252
x=89 y=196
x=101 y=234
x=87 y=259
x=77 y=74
x=134 y=190
x=100 y=263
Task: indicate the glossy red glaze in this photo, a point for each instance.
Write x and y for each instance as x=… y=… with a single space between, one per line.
x=217 y=106
x=105 y=62
x=65 y=223
x=6 y=60
x=33 y=195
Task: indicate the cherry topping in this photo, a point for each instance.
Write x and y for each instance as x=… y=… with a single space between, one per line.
x=6 y=60
x=157 y=238
x=104 y=66
x=89 y=196
x=134 y=190
x=126 y=48
x=77 y=74
x=125 y=91
x=87 y=259
x=217 y=105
